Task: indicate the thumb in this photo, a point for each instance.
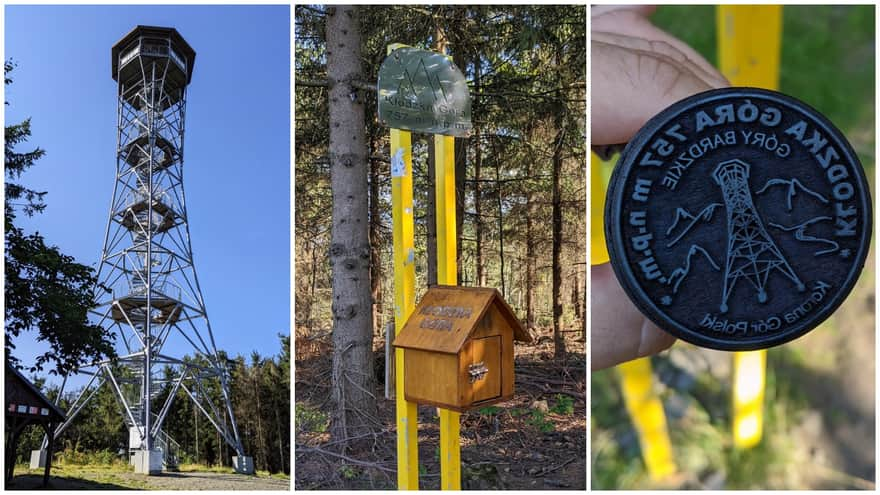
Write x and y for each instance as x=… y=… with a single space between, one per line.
x=635 y=79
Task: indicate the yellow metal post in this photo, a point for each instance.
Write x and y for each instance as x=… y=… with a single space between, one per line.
x=749 y=38
x=444 y=186
x=600 y=174
x=647 y=414
x=404 y=302
x=444 y=183
x=748 y=397
x=404 y=298
x=642 y=402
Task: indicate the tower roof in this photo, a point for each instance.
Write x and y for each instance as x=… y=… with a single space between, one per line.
x=177 y=40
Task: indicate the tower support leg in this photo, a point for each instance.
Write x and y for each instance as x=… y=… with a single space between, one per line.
x=243 y=464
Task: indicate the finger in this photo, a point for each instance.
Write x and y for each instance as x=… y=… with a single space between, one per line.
x=630 y=86
x=634 y=23
x=711 y=77
x=643 y=10
x=619 y=331
x=653 y=339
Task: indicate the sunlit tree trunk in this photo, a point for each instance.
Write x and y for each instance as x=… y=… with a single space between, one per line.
x=352 y=379
x=375 y=241
x=558 y=341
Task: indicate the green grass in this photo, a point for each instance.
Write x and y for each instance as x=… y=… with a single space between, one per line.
x=700 y=435
x=99 y=458
x=827 y=60
x=114 y=475
x=193 y=468
x=201 y=468
x=309 y=419
x=563 y=405
x=84 y=476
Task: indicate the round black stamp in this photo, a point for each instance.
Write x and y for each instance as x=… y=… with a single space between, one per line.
x=738 y=219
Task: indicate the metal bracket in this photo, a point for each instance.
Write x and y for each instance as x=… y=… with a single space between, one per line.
x=477 y=371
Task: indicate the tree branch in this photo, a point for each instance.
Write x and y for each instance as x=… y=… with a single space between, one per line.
x=325 y=83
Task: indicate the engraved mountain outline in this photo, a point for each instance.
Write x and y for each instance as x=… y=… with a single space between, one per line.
x=705 y=215
x=767 y=245
x=408 y=82
x=801 y=234
x=679 y=274
x=793 y=186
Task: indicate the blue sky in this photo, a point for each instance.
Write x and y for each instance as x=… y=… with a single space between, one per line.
x=237 y=161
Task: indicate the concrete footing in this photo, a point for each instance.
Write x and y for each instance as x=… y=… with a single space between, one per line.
x=243 y=464
x=38 y=458
x=147 y=461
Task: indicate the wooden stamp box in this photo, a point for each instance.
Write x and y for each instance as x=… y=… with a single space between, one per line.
x=458 y=348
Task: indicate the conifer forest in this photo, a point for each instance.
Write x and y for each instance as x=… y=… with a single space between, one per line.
x=520 y=218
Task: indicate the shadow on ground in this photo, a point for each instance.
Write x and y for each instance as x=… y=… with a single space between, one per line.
x=35 y=482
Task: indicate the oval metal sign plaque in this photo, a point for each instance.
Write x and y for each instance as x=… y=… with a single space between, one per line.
x=423 y=91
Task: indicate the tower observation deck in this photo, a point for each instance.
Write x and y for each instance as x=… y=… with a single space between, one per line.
x=154 y=303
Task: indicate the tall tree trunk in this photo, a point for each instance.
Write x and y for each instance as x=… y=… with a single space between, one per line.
x=530 y=266
x=260 y=451
x=530 y=249
x=196 y=416
x=478 y=165
x=500 y=227
x=577 y=297
x=375 y=241
x=558 y=341
x=352 y=378
x=281 y=464
x=458 y=58
x=312 y=287
x=440 y=43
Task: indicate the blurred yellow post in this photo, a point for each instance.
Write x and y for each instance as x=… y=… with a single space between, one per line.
x=642 y=402
x=748 y=397
x=404 y=299
x=647 y=413
x=749 y=38
x=444 y=185
x=600 y=174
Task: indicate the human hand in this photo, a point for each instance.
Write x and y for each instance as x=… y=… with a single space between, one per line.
x=638 y=70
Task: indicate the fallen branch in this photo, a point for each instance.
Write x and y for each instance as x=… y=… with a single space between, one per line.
x=317 y=450
x=547 y=390
x=549 y=380
x=548 y=471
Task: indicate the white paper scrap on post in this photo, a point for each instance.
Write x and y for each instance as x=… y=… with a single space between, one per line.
x=398 y=166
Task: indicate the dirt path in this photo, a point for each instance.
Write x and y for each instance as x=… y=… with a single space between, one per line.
x=115 y=480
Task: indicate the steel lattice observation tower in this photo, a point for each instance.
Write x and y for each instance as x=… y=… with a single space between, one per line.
x=154 y=304
x=751 y=253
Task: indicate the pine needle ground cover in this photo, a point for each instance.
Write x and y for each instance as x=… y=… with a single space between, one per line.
x=534 y=441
